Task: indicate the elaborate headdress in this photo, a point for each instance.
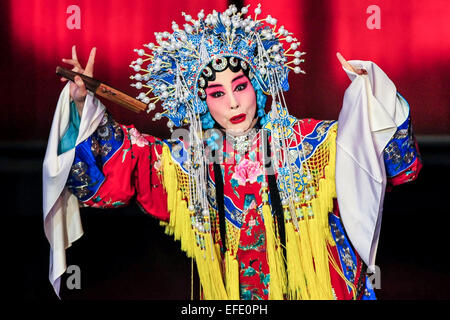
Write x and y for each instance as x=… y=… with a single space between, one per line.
x=174 y=71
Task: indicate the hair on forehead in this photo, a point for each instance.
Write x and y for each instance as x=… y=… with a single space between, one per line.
x=208 y=74
x=234 y=79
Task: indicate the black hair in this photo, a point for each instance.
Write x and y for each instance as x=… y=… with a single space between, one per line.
x=218 y=65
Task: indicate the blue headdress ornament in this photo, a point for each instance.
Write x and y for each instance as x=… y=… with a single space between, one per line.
x=171 y=72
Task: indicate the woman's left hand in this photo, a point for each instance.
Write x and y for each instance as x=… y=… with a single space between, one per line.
x=348 y=66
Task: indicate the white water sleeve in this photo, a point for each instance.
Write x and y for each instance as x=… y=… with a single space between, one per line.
x=370 y=115
x=62 y=224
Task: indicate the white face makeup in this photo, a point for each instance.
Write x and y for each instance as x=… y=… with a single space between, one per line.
x=231 y=101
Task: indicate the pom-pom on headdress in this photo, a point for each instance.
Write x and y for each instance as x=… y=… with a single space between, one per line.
x=172 y=71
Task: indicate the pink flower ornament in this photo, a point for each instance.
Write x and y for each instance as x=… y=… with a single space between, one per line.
x=247 y=171
x=137 y=138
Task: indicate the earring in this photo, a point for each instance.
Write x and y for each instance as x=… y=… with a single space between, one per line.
x=211 y=141
x=207 y=120
x=261 y=99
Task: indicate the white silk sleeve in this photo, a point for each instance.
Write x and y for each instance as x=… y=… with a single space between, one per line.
x=370 y=114
x=62 y=224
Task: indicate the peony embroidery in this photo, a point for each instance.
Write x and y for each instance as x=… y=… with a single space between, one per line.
x=247 y=171
x=137 y=138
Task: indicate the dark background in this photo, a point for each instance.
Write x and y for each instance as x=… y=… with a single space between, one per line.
x=124 y=254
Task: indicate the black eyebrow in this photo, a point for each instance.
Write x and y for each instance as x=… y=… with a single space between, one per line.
x=237 y=78
x=214 y=85
x=219 y=85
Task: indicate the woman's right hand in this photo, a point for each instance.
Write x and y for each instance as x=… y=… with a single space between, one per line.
x=78 y=90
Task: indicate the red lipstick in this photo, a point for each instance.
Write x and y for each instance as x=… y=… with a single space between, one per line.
x=238 y=119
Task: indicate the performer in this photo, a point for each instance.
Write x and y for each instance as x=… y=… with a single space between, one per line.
x=269 y=206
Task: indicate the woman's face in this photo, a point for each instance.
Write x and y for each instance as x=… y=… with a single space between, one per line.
x=231 y=100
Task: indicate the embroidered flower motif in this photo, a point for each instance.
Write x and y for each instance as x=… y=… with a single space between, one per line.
x=247 y=171
x=323 y=128
x=280 y=125
x=137 y=138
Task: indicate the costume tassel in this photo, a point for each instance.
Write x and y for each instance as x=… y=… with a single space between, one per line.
x=297 y=288
x=170 y=183
x=306 y=255
x=209 y=269
x=232 y=276
x=317 y=245
x=178 y=212
x=316 y=218
x=187 y=234
x=277 y=286
x=199 y=245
